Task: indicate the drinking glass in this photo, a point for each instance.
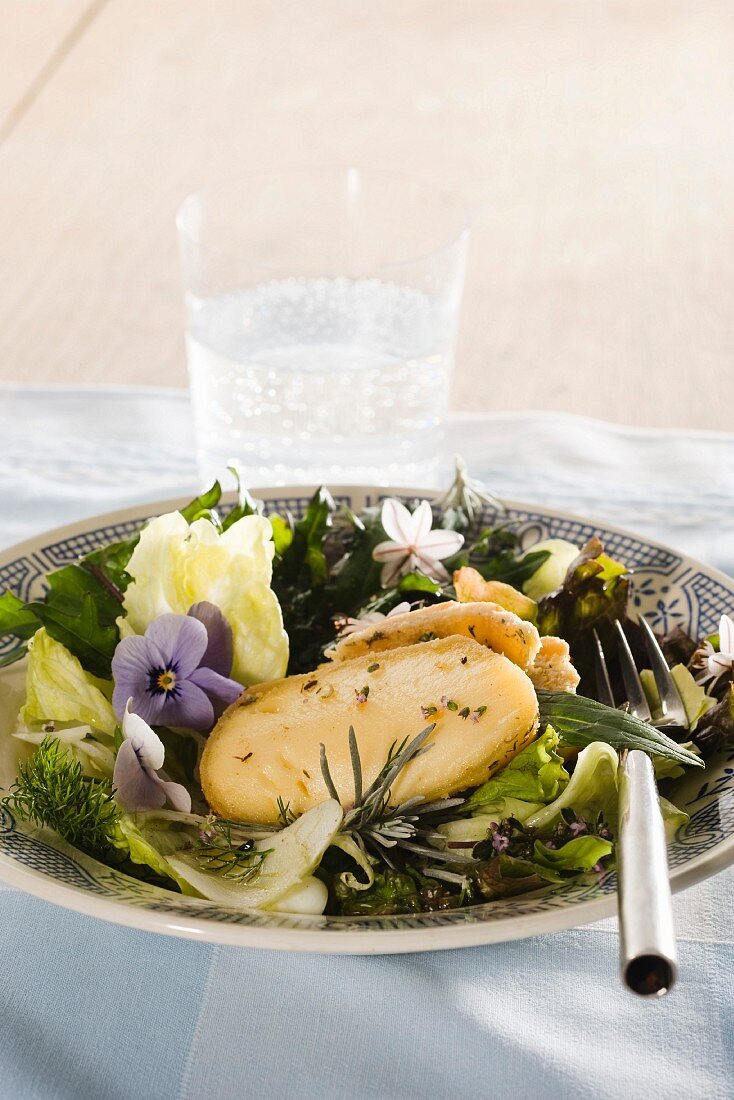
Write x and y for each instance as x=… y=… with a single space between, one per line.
x=322 y=310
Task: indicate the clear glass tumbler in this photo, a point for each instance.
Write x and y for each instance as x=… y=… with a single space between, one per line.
x=322 y=310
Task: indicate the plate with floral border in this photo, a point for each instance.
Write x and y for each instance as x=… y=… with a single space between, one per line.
x=669 y=588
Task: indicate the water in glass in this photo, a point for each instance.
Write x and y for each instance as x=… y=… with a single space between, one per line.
x=322 y=379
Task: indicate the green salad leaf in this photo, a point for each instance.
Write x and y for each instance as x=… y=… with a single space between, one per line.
x=246 y=504
x=202 y=507
x=393 y=891
x=109 y=566
x=58 y=689
x=147 y=839
x=535 y=775
x=593 y=594
x=496 y=555
x=695 y=700
x=580 y=854
x=80 y=612
x=15 y=618
x=591 y=791
x=300 y=573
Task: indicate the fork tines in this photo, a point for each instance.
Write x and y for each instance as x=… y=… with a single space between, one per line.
x=671 y=705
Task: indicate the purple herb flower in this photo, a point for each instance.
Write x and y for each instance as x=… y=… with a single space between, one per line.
x=177 y=673
x=137 y=780
x=499 y=838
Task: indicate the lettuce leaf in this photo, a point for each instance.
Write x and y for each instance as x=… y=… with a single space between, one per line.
x=580 y=854
x=466 y=830
x=695 y=700
x=716 y=728
x=147 y=839
x=506 y=875
x=591 y=791
x=175 y=565
x=536 y=774
x=58 y=689
x=551 y=572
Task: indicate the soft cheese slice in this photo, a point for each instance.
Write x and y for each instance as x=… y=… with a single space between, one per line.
x=487 y=623
x=266 y=746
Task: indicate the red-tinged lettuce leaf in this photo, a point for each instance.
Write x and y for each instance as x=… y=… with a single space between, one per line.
x=716 y=728
x=594 y=593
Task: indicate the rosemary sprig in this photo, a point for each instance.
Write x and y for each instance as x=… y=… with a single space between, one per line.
x=221 y=854
x=411 y=826
x=468 y=494
x=285 y=813
x=52 y=790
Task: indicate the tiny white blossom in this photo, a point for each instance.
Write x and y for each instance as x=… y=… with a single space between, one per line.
x=353 y=626
x=412 y=544
x=713 y=664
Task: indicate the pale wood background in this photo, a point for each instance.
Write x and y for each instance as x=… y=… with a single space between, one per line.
x=594 y=139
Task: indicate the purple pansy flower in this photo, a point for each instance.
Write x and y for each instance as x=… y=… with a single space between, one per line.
x=177 y=673
x=137 y=779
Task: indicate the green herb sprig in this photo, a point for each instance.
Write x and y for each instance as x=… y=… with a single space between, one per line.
x=579 y=721
x=222 y=854
x=52 y=790
x=376 y=826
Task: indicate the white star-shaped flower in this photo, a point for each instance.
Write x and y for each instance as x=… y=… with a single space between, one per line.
x=715 y=664
x=412 y=544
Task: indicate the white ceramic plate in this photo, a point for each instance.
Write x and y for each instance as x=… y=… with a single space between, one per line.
x=668 y=588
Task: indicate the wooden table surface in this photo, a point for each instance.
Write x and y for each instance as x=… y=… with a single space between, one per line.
x=594 y=141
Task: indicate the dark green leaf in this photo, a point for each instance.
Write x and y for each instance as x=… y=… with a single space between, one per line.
x=416 y=582
x=579 y=721
x=587 y=596
x=716 y=728
x=495 y=556
x=109 y=565
x=304 y=559
x=246 y=504
x=201 y=506
x=504 y=876
x=391 y=892
x=15 y=617
x=80 y=613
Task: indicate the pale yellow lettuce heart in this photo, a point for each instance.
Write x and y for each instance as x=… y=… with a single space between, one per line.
x=176 y=565
x=58 y=689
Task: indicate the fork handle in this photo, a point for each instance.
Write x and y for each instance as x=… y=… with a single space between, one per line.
x=648 y=955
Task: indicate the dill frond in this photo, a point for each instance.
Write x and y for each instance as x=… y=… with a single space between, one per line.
x=52 y=790
x=221 y=854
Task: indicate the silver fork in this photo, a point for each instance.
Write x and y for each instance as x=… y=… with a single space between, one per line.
x=673 y=714
x=648 y=953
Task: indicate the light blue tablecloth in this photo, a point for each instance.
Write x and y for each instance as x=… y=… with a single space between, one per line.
x=92 y=1011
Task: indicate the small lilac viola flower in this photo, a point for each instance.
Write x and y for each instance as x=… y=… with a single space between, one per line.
x=137 y=781
x=177 y=673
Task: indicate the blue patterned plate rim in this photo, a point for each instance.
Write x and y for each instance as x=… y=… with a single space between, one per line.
x=668 y=584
